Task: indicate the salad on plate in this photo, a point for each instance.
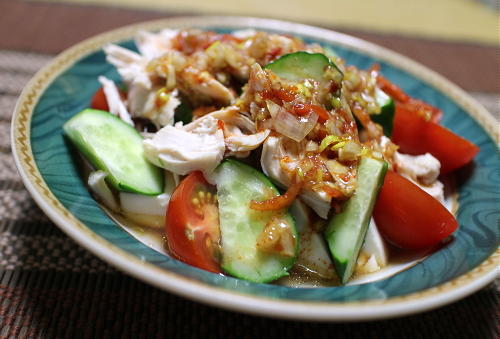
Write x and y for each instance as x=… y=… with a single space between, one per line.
x=258 y=156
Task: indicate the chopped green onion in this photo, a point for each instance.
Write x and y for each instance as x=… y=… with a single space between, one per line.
x=338 y=145
x=327 y=141
x=304 y=90
x=300 y=173
x=213 y=46
x=336 y=102
x=364 y=151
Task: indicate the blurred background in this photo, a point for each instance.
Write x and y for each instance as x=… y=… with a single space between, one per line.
x=457 y=38
x=469 y=20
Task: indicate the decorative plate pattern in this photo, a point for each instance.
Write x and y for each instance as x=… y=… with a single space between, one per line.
x=46 y=163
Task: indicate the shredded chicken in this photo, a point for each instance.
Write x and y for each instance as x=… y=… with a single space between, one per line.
x=272 y=153
x=184 y=149
x=149 y=104
x=114 y=100
x=423 y=170
x=130 y=65
x=420 y=168
x=240 y=135
x=203 y=84
x=305 y=118
x=238 y=142
x=153 y=45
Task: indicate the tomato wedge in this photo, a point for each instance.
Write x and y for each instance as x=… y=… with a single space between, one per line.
x=451 y=150
x=410 y=218
x=192 y=223
x=414 y=135
x=408 y=131
x=404 y=100
x=99 y=101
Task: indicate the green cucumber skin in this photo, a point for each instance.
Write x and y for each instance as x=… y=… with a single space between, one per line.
x=346 y=231
x=301 y=65
x=238 y=184
x=387 y=110
x=115 y=147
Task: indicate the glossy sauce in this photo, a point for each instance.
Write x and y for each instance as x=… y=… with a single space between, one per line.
x=300 y=275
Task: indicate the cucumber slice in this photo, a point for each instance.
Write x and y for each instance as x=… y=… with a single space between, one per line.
x=299 y=66
x=114 y=147
x=240 y=226
x=346 y=231
x=386 y=115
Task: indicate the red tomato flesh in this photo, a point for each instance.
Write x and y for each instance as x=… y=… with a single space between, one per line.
x=192 y=223
x=451 y=150
x=414 y=135
x=423 y=109
x=99 y=101
x=410 y=218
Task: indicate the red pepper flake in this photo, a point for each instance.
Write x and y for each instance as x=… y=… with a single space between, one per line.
x=266 y=94
x=332 y=192
x=229 y=38
x=428 y=112
x=220 y=125
x=278 y=96
x=305 y=109
x=392 y=90
x=361 y=114
x=334 y=87
x=301 y=109
x=284 y=95
x=280 y=201
x=348 y=124
x=345 y=177
x=273 y=54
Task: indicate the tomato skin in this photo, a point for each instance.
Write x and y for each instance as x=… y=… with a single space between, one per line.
x=408 y=130
x=410 y=218
x=406 y=101
x=391 y=89
x=451 y=150
x=99 y=101
x=414 y=135
x=189 y=234
x=423 y=109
